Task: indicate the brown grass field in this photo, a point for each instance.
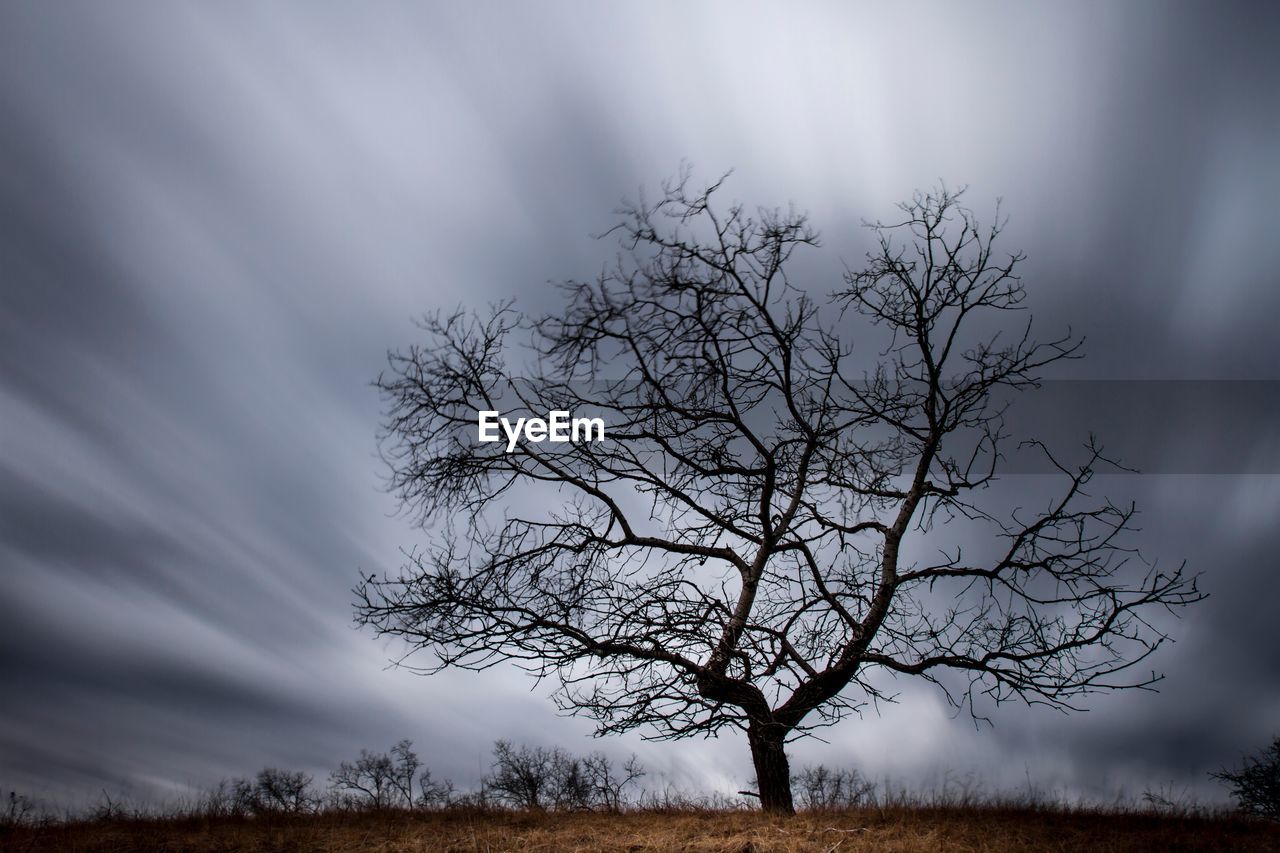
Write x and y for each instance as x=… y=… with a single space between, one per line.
x=888 y=829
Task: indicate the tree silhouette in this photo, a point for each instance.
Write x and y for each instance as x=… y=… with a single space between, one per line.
x=760 y=533
x=1256 y=786
x=381 y=780
x=536 y=778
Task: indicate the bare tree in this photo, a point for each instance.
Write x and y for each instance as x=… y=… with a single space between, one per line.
x=1256 y=786
x=608 y=785
x=525 y=776
x=277 y=790
x=378 y=779
x=539 y=778
x=433 y=794
x=822 y=788
x=272 y=791
x=571 y=787
x=405 y=766
x=761 y=533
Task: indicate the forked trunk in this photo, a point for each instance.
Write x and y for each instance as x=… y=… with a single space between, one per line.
x=773 y=773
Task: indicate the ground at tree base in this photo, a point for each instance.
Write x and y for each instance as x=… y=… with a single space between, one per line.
x=891 y=829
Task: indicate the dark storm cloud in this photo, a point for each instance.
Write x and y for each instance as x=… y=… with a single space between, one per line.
x=215 y=219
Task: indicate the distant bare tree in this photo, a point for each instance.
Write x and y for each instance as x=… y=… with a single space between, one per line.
x=822 y=788
x=405 y=766
x=751 y=544
x=282 y=791
x=367 y=780
x=539 y=778
x=523 y=776
x=378 y=779
x=433 y=794
x=608 y=785
x=571 y=788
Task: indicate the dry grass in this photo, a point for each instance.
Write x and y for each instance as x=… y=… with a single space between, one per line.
x=892 y=829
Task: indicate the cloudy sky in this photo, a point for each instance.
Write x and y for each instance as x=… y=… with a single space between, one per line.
x=216 y=218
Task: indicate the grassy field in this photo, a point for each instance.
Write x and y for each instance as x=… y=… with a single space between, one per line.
x=890 y=829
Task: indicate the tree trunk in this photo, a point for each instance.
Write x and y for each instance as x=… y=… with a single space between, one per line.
x=773 y=773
